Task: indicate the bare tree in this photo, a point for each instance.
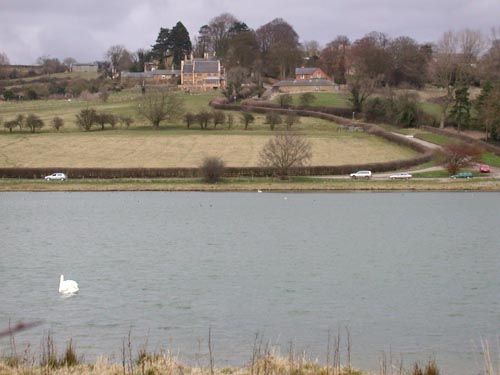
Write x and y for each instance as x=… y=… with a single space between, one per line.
x=119 y=57
x=218 y=31
x=285 y=151
x=4 y=60
x=160 y=105
x=33 y=122
x=57 y=123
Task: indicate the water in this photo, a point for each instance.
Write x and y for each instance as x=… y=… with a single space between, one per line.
x=415 y=274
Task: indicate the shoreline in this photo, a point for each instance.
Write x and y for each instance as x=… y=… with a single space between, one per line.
x=253 y=185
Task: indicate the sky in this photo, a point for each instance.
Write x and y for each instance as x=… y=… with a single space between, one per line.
x=84 y=29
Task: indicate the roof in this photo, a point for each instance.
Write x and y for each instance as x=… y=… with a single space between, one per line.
x=201 y=66
x=84 y=64
x=306 y=82
x=306 y=71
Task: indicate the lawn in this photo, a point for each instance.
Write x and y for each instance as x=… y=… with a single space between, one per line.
x=491 y=159
x=324 y=99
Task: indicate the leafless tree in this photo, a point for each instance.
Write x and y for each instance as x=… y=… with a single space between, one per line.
x=218 y=31
x=335 y=58
x=285 y=151
x=119 y=57
x=57 y=123
x=160 y=105
x=4 y=60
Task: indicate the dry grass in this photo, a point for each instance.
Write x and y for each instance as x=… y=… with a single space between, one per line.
x=152 y=149
x=264 y=184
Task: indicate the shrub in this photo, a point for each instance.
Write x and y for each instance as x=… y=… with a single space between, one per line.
x=57 y=123
x=10 y=125
x=9 y=95
x=189 y=118
x=291 y=118
x=20 y=120
x=104 y=94
x=307 y=98
x=230 y=120
x=247 y=118
x=375 y=110
x=31 y=94
x=273 y=119
x=126 y=121
x=459 y=155
x=86 y=118
x=218 y=117
x=160 y=105
x=212 y=169
x=203 y=117
x=285 y=100
x=33 y=122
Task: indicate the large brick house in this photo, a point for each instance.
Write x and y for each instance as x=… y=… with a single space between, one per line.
x=201 y=73
x=304 y=74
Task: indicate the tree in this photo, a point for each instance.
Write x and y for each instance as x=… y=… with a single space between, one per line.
x=68 y=62
x=21 y=121
x=218 y=117
x=230 y=120
x=311 y=52
x=50 y=65
x=203 y=118
x=10 y=125
x=243 y=48
x=335 y=58
x=212 y=169
x=179 y=44
x=291 y=119
x=160 y=105
x=370 y=56
x=33 y=122
x=4 y=60
x=234 y=83
x=460 y=111
x=489 y=112
x=119 y=58
x=490 y=61
x=307 y=98
x=189 y=118
x=203 y=42
x=408 y=62
x=104 y=118
x=360 y=89
x=161 y=48
x=285 y=100
x=285 y=151
x=126 y=121
x=247 y=118
x=273 y=119
x=218 y=30
x=57 y=123
x=459 y=155
x=86 y=118
x=279 y=47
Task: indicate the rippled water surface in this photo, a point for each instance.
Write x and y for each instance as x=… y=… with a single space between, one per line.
x=414 y=274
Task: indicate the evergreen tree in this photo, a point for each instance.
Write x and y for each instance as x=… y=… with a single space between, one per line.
x=180 y=44
x=161 y=48
x=460 y=111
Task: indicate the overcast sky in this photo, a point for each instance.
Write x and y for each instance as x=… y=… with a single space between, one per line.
x=84 y=29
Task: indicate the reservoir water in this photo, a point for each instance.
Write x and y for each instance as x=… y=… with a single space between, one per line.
x=412 y=274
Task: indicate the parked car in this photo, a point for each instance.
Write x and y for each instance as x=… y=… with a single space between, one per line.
x=56 y=177
x=361 y=174
x=401 y=176
x=483 y=168
x=463 y=175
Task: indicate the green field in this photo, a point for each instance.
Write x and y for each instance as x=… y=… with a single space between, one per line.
x=324 y=99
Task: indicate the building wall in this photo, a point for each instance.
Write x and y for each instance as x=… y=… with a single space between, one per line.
x=301 y=89
x=84 y=68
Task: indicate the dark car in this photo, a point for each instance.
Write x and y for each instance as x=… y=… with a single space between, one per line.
x=463 y=175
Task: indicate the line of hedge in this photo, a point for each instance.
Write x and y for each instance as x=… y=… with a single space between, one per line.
x=337 y=111
x=462 y=137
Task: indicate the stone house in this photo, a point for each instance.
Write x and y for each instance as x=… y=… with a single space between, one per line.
x=201 y=74
x=304 y=74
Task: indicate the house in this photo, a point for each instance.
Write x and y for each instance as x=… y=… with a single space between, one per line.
x=201 y=74
x=90 y=67
x=310 y=73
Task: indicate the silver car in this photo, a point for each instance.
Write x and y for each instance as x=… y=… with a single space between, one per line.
x=401 y=176
x=56 y=177
x=361 y=174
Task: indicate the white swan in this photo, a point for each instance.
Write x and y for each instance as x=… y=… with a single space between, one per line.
x=67 y=286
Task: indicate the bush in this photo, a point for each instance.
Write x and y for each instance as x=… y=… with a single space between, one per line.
x=285 y=100
x=57 y=123
x=126 y=121
x=203 y=117
x=218 y=117
x=86 y=118
x=10 y=125
x=247 y=118
x=291 y=118
x=189 y=118
x=375 y=110
x=307 y=98
x=273 y=119
x=459 y=155
x=33 y=122
x=9 y=95
x=230 y=120
x=212 y=169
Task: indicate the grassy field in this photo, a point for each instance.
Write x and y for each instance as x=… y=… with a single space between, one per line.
x=491 y=159
x=173 y=145
x=324 y=99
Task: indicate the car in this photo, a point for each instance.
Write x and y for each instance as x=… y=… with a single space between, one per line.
x=56 y=177
x=401 y=176
x=361 y=174
x=483 y=168
x=463 y=175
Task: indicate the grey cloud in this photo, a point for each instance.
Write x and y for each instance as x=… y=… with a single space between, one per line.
x=85 y=28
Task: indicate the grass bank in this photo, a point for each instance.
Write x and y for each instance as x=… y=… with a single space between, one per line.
x=252 y=185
